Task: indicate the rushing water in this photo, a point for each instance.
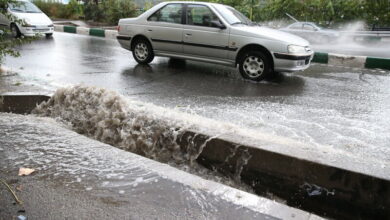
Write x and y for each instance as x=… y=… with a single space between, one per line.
x=133 y=126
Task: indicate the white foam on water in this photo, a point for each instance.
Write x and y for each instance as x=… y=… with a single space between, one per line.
x=152 y=131
x=141 y=128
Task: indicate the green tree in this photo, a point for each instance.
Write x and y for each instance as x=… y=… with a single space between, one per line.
x=328 y=12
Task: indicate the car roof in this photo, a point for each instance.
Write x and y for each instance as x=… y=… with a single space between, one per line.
x=194 y=2
x=304 y=22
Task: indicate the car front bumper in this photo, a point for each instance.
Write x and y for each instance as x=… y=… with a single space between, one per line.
x=291 y=63
x=32 y=31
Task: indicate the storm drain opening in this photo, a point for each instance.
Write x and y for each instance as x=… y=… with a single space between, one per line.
x=165 y=136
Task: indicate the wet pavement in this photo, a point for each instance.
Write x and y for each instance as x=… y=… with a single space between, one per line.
x=79 y=178
x=345 y=109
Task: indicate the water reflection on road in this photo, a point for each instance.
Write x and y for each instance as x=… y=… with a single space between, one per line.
x=348 y=109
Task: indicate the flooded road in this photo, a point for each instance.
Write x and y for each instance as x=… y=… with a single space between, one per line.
x=346 y=109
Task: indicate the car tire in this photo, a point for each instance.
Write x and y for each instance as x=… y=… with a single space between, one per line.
x=49 y=35
x=15 y=31
x=255 y=66
x=142 y=51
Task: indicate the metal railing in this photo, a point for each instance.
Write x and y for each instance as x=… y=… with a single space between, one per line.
x=366 y=33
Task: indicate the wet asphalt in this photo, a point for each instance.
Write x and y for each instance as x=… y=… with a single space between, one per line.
x=348 y=109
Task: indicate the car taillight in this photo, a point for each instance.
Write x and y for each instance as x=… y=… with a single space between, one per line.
x=118 y=28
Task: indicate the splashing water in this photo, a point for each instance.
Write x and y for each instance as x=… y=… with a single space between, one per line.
x=132 y=126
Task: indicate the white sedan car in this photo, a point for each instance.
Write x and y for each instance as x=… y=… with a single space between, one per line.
x=32 y=20
x=312 y=32
x=214 y=33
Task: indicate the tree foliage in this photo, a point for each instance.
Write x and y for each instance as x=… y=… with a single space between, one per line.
x=109 y=11
x=55 y=9
x=326 y=12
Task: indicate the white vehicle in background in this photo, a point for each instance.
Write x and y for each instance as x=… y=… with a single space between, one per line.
x=33 y=20
x=312 y=32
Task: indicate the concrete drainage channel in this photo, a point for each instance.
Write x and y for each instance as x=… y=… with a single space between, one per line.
x=322 y=188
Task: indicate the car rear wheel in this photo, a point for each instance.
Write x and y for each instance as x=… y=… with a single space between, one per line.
x=142 y=51
x=255 y=66
x=15 y=31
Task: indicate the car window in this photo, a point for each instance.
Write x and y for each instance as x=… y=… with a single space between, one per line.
x=170 y=13
x=231 y=15
x=308 y=27
x=24 y=7
x=296 y=26
x=201 y=15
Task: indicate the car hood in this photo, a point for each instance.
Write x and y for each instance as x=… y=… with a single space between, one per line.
x=34 y=18
x=268 y=33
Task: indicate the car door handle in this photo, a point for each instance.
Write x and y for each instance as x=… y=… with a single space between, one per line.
x=149 y=30
x=188 y=34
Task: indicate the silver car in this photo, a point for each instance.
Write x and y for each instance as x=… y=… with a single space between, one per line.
x=312 y=32
x=213 y=33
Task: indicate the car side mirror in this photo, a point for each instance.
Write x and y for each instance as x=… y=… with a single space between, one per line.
x=218 y=24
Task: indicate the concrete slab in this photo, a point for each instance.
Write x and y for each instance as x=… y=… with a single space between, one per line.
x=79 y=178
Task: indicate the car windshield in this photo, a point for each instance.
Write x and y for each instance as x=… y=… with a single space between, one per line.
x=232 y=16
x=24 y=7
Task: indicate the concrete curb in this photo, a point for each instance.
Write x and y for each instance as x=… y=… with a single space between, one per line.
x=97 y=32
x=325 y=58
x=352 y=61
x=131 y=182
x=337 y=185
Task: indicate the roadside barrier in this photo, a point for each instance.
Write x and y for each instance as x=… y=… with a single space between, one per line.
x=97 y=32
x=352 y=61
x=325 y=58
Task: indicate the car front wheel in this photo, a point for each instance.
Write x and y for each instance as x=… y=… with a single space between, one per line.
x=15 y=31
x=143 y=52
x=255 y=66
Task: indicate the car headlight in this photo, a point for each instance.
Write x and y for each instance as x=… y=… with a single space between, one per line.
x=296 y=49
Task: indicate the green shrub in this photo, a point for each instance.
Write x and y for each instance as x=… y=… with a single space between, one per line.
x=110 y=11
x=117 y=9
x=55 y=9
x=325 y=12
x=328 y=12
x=92 y=12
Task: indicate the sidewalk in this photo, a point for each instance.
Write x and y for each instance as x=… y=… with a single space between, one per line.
x=79 y=178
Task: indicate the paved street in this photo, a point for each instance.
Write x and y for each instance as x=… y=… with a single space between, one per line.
x=347 y=109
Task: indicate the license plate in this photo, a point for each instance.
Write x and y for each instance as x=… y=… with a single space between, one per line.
x=41 y=30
